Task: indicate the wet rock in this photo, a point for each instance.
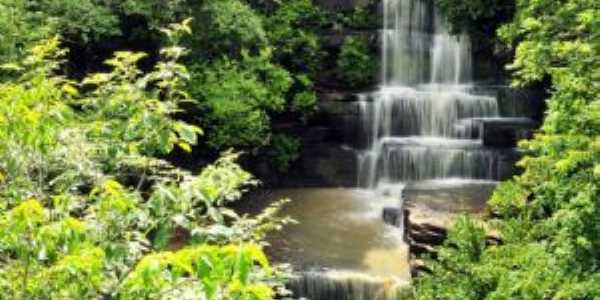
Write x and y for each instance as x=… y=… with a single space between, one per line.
x=339 y=108
x=418 y=267
x=419 y=249
x=426 y=229
x=506 y=132
x=525 y=102
x=337 y=96
x=320 y=165
x=334 y=39
x=493 y=238
x=430 y=210
x=427 y=234
x=392 y=216
x=340 y=113
x=314 y=135
x=432 y=199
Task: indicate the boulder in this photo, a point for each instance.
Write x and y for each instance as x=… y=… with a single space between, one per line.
x=427 y=229
x=425 y=226
x=392 y=216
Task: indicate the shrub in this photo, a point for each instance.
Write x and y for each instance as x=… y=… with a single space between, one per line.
x=355 y=63
x=74 y=225
x=238 y=98
x=226 y=28
x=286 y=150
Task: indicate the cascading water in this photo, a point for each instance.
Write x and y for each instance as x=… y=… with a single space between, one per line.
x=421 y=123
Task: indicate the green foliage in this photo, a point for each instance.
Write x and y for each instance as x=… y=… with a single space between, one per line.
x=200 y=272
x=273 y=44
x=286 y=150
x=84 y=22
x=18 y=29
x=304 y=102
x=227 y=27
x=355 y=63
x=99 y=20
x=455 y=265
x=257 y=61
x=508 y=199
x=468 y=15
x=480 y=19
x=362 y=17
x=239 y=96
x=73 y=223
x=292 y=29
x=288 y=26
x=548 y=214
x=472 y=10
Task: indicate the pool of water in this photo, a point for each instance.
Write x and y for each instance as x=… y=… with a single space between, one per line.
x=340 y=249
x=339 y=230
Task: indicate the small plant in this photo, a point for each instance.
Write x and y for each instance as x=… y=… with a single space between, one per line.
x=360 y=18
x=356 y=64
x=287 y=150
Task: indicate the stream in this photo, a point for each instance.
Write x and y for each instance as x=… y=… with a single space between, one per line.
x=423 y=127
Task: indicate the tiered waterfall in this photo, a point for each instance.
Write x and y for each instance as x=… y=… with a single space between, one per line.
x=422 y=123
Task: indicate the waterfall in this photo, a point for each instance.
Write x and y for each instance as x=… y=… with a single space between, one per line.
x=421 y=123
x=346 y=286
x=405 y=42
x=451 y=56
x=417 y=47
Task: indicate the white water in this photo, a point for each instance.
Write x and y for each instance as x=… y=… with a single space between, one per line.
x=419 y=124
x=347 y=286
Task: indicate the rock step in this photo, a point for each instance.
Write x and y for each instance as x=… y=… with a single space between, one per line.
x=418 y=158
x=439 y=143
x=432 y=207
x=476 y=128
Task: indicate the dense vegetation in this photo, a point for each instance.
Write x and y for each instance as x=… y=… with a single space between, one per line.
x=257 y=61
x=266 y=54
x=355 y=63
x=97 y=94
x=548 y=216
x=91 y=209
x=90 y=212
